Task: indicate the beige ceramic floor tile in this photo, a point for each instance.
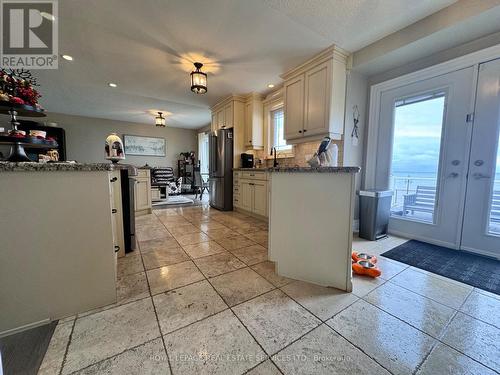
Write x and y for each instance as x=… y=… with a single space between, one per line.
x=203 y=249
x=149 y=358
x=275 y=320
x=389 y=267
x=362 y=285
x=216 y=345
x=174 y=276
x=110 y=332
x=420 y=312
x=162 y=243
x=183 y=230
x=321 y=301
x=186 y=305
x=265 y=368
x=235 y=242
x=394 y=344
x=128 y=265
x=241 y=285
x=145 y=233
x=131 y=287
x=445 y=292
x=54 y=355
x=266 y=269
x=483 y=307
x=444 y=360
x=474 y=338
x=163 y=257
x=323 y=351
x=216 y=234
x=215 y=265
x=192 y=238
x=251 y=255
x=261 y=237
x=210 y=225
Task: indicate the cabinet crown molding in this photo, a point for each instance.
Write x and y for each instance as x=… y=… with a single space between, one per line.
x=227 y=99
x=332 y=52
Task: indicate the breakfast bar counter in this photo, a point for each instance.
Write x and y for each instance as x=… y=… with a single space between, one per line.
x=310 y=226
x=57 y=252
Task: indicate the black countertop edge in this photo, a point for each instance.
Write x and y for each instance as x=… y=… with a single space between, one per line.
x=54 y=167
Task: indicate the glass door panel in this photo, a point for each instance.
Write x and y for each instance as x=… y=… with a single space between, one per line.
x=423 y=150
x=418 y=124
x=481 y=225
x=494 y=224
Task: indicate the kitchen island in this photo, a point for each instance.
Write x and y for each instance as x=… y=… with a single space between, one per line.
x=58 y=238
x=310 y=225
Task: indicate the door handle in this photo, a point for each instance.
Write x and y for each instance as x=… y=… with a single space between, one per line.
x=113 y=179
x=117 y=249
x=114 y=211
x=480 y=176
x=453 y=175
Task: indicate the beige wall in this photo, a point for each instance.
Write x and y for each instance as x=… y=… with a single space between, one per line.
x=85 y=138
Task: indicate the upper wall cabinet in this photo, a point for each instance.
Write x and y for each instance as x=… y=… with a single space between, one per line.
x=254 y=127
x=230 y=113
x=314 y=97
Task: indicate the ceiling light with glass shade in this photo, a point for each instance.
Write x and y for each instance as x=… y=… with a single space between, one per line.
x=160 y=120
x=198 y=79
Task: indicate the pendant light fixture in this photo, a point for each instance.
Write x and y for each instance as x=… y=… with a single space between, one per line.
x=160 y=120
x=198 y=80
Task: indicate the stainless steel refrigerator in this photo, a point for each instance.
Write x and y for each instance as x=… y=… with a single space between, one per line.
x=220 y=168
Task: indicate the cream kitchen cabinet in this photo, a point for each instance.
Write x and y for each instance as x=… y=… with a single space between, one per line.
x=142 y=193
x=314 y=97
x=293 y=94
x=230 y=113
x=250 y=192
x=254 y=122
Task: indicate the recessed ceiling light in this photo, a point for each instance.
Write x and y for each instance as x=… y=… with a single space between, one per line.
x=112 y=84
x=270 y=85
x=67 y=57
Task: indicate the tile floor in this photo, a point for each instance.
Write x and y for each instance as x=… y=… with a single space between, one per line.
x=200 y=297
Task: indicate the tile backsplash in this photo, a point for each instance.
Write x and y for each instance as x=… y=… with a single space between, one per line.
x=302 y=153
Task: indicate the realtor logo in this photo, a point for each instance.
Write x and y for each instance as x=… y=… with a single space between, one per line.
x=29 y=34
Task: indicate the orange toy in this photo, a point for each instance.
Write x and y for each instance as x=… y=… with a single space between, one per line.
x=365 y=267
x=356 y=257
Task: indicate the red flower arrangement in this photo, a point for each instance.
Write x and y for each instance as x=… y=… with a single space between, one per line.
x=17 y=86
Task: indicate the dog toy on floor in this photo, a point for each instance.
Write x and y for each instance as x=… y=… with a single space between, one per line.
x=364 y=264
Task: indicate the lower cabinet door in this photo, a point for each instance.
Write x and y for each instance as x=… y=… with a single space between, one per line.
x=246 y=195
x=142 y=192
x=260 y=198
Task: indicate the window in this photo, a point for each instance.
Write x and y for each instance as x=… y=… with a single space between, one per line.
x=203 y=152
x=278 y=131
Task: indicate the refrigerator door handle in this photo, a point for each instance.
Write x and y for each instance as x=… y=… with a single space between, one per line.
x=212 y=163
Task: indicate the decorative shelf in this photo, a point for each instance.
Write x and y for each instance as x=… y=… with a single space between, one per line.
x=22 y=110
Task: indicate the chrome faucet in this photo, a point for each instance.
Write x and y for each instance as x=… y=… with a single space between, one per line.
x=275 y=162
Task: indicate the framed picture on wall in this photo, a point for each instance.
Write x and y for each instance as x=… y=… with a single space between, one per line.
x=144 y=146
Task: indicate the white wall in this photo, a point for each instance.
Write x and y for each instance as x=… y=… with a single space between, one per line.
x=85 y=138
x=357 y=94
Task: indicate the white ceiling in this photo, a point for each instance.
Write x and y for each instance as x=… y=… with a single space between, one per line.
x=147 y=47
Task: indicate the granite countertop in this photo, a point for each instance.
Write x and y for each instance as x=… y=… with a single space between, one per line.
x=54 y=167
x=314 y=170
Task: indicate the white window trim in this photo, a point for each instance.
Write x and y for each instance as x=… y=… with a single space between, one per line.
x=269 y=106
x=474 y=58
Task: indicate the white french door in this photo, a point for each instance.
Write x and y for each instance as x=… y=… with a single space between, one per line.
x=422 y=155
x=481 y=225
x=439 y=151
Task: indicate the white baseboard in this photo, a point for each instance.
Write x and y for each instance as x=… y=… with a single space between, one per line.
x=24 y=328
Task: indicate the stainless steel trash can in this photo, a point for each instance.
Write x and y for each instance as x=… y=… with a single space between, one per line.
x=374 y=211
